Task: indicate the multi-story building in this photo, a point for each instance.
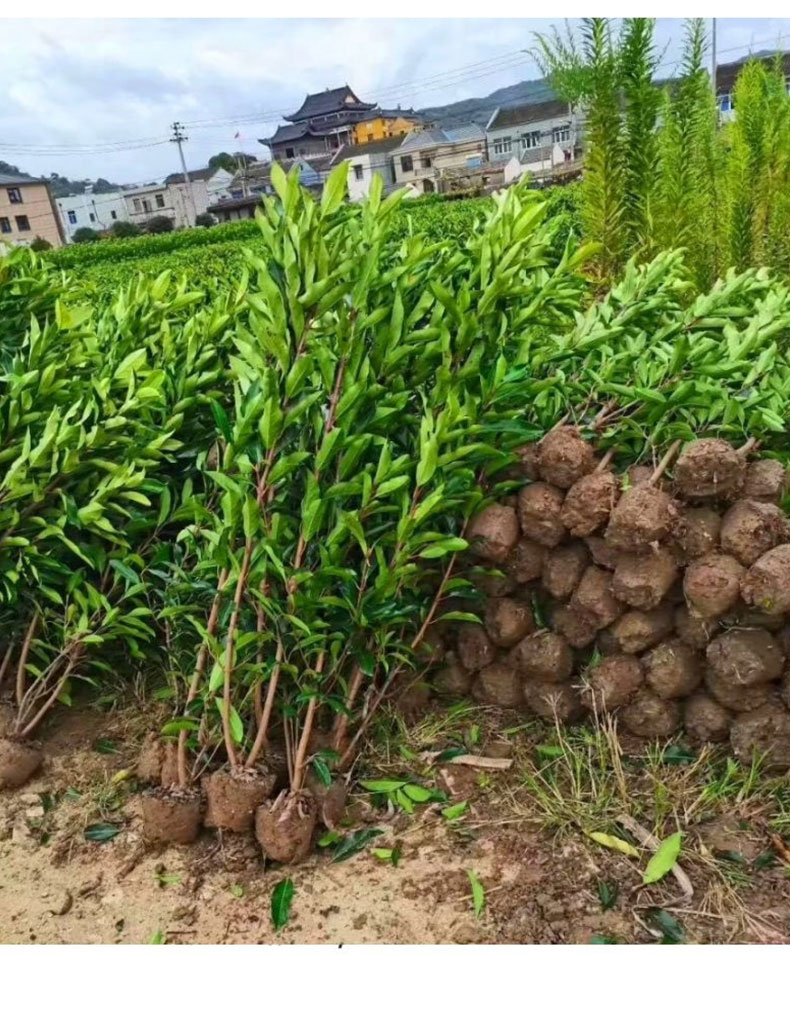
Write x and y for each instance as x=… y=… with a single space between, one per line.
x=727 y=73
x=173 y=198
x=366 y=161
x=381 y=124
x=323 y=123
x=91 y=210
x=533 y=132
x=423 y=156
x=28 y=212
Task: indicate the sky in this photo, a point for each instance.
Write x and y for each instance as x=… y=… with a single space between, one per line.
x=92 y=86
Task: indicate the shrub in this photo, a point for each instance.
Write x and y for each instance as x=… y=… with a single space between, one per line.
x=40 y=244
x=159 y=225
x=205 y=220
x=125 y=229
x=86 y=235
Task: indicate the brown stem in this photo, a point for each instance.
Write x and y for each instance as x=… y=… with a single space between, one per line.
x=605 y=461
x=230 y=652
x=20 y=668
x=666 y=459
x=25 y=731
x=6 y=660
x=342 y=719
x=200 y=666
x=304 y=739
x=263 y=726
x=747 y=447
x=603 y=414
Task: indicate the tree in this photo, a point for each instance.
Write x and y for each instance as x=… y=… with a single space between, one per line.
x=230 y=162
x=40 y=244
x=159 y=225
x=205 y=220
x=86 y=235
x=103 y=186
x=124 y=229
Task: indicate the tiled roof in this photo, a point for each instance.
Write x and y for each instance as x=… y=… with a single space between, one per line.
x=372 y=147
x=324 y=102
x=196 y=176
x=17 y=180
x=419 y=140
x=532 y=112
x=726 y=73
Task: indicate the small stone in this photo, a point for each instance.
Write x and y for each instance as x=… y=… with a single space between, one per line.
x=63 y=905
x=34 y=813
x=30 y=799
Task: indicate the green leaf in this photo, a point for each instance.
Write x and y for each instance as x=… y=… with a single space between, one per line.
x=322 y=771
x=216 y=678
x=613 y=842
x=176 y=726
x=103 y=746
x=158 y=937
x=457 y=810
x=221 y=420
x=607 y=894
x=417 y=793
x=388 y=855
x=382 y=785
x=330 y=838
x=101 y=832
x=663 y=860
x=334 y=189
x=237 y=890
x=282 y=896
x=666 y=924
x=352 y=844
x=478 y=894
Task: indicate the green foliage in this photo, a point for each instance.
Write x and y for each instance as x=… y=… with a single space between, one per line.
x=159 y=224
x=82 y=235
x=205 y=221
x=124 y=229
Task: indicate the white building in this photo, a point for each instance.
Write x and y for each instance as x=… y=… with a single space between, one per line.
x=534 y=137
x=423 y=156
x=365 y=162
x=172 y=198
x=91 y=210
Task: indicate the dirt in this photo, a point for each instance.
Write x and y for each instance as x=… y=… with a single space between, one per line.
x=540 y=887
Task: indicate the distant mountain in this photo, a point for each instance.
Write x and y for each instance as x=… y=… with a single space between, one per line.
x=478 y=110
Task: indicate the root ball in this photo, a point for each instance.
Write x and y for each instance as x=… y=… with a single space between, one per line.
x=766 y=481
x=525 y=561
x=697 y=532
x=638 y=630
x=643 y=580
x=765 y=731
x=651 y=716
x=612 y=682
x=539 y=508
x=643 y=517
x=709 y=468
x=498 y=684
x=589 y=503
x=712 y=584
x=507 y=621
x=595 y=596
x=737 y=698
x=564 y=457
x=745 y=656
x=672 y=669
x=705 y=720
x=494 y=532
x=475 y=649
x=750 y=528
x=543 y=656
x=553 y=701
x=563 y=569
x=766 y=585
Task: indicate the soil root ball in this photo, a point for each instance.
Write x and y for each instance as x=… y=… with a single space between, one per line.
x=19 y=761
x=539 y=509
x=588 y=504
x=766 y=481
x=705 y=720
x=564 y=457
x=783 y=640
x=563 y=569
x=595 y=596
x=493 y=582
x=602 y=554
x=638 y=630
x=709 y=468
x=612 y=682
x=765 y=731
x=232 y=797
x=696 y=532
x=525 y=561
x=712 y=584
x=498 y=684
x=750 y=528
x=151 y=759
x=694 y=630
x=651 y=716
x=526 y=462
x=745 y=656
x=330 y=799
x=644 y=516
x=474 y=647
x=171 y=814
x=284 y=826
x=766 y=585
x=558 y=702
x=735 y=697
x=672 y=669
x=576 y=625
x=643 y=580
x=507 y=621
x=494 y=532
x=452 y=680
x=543 y=656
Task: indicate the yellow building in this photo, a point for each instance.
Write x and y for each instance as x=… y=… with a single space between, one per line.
x=27 y=211
x=384 y=123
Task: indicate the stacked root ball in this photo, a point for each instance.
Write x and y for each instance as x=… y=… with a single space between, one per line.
x=665 y=600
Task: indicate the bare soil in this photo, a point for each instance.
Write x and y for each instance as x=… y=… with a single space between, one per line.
x=542 y=886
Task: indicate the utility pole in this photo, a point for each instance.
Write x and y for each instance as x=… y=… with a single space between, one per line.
x=179 y=138
x=713 y=57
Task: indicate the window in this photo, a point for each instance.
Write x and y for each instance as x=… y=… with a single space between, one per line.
x=22 y=222
x=72 y=217
x=406 y=163
x=502 y=145
x=357 y=171
x=561 y=134
x=14 y=195
x=147 y=206
x=529 y=141
x=426 y=161
x=160 y=200
x=136 y=202
x=370 y=137
x=289 y=152
x=725 y=102
x=113 y=215
x=92 y=217
x=5 y=225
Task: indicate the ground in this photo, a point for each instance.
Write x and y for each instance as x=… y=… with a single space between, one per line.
x=524 y=834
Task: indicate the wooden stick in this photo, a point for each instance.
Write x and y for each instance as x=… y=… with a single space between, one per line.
x=748 y=446
x=605 y=460
x=341 y=723
x=230 y=652
x=25 y=731
x=263 y=725
x=20 y=668
x=304 y=740
x=470 y=760
x=652 y=843
x=6 y=659
x=666 y=459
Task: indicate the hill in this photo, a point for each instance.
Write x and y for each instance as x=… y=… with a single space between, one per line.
x=478 y=110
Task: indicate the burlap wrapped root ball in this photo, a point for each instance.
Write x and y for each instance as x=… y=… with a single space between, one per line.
x=667 y=600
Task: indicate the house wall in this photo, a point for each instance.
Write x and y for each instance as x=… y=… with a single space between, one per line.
x=91 y=210
x=37 y=207
x=369 y=165
x=380 y=129
x=428 y=162
x=545 y=127
x=147 y=202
